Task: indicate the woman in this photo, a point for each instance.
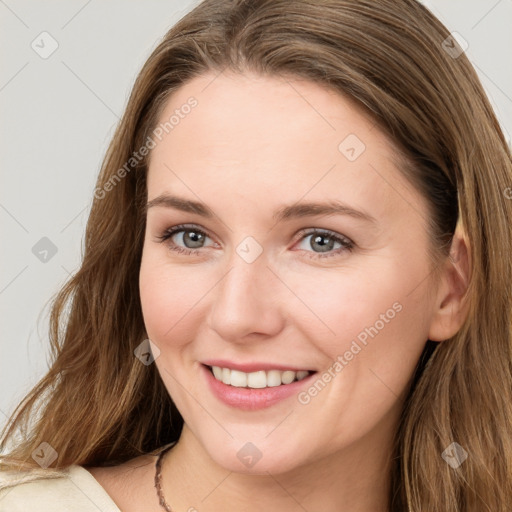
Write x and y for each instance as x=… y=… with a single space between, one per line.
x=295 y=288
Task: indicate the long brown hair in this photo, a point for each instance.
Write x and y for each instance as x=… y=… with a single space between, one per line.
x=98 y=405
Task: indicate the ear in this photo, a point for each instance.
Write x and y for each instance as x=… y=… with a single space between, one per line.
x=451 y=301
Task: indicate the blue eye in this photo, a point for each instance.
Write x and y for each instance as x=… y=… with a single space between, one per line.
x=325 y=241
x=192 y=240
x=190 y=235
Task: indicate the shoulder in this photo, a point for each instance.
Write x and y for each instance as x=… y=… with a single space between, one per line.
x=131 y=484
x=70 y=489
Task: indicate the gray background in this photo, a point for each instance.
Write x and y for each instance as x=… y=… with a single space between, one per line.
x=58 y=114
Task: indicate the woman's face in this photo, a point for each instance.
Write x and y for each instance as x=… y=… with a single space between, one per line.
x=268 y=280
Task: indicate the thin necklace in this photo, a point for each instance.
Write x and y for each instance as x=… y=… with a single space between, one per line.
x=158 y=480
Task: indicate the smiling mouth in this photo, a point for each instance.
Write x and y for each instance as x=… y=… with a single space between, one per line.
x=259 y=379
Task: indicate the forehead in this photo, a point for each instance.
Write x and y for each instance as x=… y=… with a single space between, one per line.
x=275 y=139
x=236 y=114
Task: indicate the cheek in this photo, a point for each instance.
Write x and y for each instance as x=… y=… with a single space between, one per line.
x=338 y=304
x=371 y=330
x=171 y=298
x=372 y=316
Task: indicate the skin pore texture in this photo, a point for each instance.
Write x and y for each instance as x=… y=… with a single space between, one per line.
x=251 y=146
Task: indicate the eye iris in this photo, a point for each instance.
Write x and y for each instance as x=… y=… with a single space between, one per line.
x=193 y=237
x=324 y=247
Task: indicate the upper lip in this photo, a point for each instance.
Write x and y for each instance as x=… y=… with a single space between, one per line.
x=252 y=367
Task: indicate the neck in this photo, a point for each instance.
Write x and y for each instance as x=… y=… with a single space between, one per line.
x=354 y=479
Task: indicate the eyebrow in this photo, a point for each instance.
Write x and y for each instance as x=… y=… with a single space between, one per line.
x=297 y=210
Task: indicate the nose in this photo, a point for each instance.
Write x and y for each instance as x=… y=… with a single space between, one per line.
x=248 y=301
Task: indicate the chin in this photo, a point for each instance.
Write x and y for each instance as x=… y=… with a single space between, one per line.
x=254 y=458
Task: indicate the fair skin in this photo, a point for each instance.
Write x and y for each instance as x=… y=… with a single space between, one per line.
x=251 y=146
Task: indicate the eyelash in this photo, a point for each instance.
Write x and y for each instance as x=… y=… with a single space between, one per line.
x=347 y=244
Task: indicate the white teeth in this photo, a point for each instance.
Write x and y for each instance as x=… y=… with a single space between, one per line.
x=273 y=378
x=288 y=377
x=217 y=372
x=259 y=379
x=238 y=379
x=256 y=379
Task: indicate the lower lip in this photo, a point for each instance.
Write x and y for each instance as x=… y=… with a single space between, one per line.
x=250 y=399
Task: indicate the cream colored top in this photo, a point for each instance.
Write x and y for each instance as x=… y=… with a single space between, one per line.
x=72 y=489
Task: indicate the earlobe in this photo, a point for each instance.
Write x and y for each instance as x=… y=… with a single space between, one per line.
x=452 y=301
